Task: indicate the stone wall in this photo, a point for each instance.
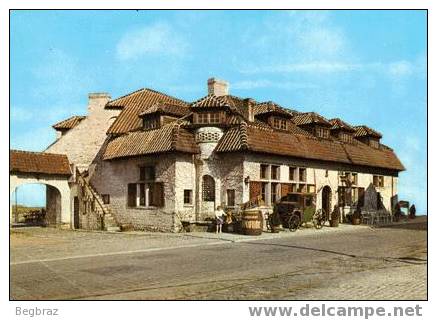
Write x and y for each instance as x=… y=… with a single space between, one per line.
x=82 y=143
x=113 y=177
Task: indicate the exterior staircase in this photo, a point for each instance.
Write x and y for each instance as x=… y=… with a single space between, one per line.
x=109 y=221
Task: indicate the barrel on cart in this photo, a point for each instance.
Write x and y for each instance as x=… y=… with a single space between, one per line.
x=251 y=222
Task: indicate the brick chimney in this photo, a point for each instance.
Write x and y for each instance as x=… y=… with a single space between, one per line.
x=97 y=101
x=218 y=87
x=249 y=105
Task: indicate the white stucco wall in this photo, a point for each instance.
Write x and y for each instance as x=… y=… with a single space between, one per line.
x=61 y=184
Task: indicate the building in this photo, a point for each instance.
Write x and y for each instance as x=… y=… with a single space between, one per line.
x=148 y=160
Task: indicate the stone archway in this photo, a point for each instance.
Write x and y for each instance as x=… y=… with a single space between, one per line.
x=52 y=170
x=58 y=211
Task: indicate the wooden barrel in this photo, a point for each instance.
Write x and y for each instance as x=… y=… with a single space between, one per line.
x=251 y=222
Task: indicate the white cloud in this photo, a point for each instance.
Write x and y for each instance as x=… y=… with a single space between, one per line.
x=159 y=38
x=400 y=69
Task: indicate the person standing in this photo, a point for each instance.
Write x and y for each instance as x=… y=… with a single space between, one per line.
x=219 y=217
x=413 y=212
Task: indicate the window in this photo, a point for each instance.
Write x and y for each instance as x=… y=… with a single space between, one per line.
x=274 y=192
x=264 y=191
x=344 y=196
x=188 y=196
x=292 y=175
x=214 y=117
x=301 y=188
x=230 y=193
x=302 y=174
x=352 y=177
x=149 y=124
x=378 y=181
x=202 y=118
x=322 y=132
x=147 y=173
x=374 y=143
x=311 y=188
x=264 y=171
x=106 y=198
x=275 y=172
x=145 y=194
x=208 y=191
x=208 y=117
x=279 y=123
x=346 y=137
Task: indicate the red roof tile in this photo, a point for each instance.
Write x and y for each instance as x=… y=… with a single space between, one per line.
x=362 y=131
x=340 y=124
x=264 y=140
x=68 y=123
x=171 y=137
x=133 y=105
x=39 y=163
x=310 y=117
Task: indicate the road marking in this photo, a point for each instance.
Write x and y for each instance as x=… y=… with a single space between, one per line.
x=116 y=253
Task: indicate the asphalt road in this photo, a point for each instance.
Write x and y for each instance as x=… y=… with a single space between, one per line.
x=381 y=263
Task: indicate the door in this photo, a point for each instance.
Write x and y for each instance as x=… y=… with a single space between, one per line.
x=326 y=200
x=76 y=212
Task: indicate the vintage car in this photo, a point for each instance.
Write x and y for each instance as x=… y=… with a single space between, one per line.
x=296 y=209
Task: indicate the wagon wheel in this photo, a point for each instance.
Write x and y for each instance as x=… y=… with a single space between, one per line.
x=319 y=219
x=293 y=223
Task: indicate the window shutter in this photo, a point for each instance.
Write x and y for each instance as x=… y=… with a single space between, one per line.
x=254 y=190
x=361 y=197
x=132 y=194
x=157 y=194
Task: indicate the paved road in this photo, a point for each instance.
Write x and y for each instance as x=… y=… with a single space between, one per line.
x=365 y=263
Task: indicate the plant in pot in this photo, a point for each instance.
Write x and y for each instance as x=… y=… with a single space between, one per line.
x=275 y=222
x=335 y=217
x=356 y=218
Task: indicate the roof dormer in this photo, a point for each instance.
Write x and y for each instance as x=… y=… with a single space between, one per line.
x=342 y=130
x=368 y=136
x=162 y=113
x=313 y=123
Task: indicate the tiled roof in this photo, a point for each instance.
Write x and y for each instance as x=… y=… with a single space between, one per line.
x=362 y=131
x=166 y=108
x=271 y=107
x=253 y=138
x=171 y=137
x=134 y=104
x=68 y=123
x=310 y=117
x=340 y=124
x=211 y=101
x=39 y=163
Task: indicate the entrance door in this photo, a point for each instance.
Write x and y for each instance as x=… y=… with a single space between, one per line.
x=326 y=199
x=76 y=212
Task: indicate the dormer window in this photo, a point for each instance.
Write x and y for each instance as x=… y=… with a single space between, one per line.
x=345 y=137
x=374 y=143
x=322 y=132
x=279 y=123
x=150 y=123
x=207 y=118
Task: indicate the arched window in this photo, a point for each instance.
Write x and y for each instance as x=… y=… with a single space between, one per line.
x=208 y=188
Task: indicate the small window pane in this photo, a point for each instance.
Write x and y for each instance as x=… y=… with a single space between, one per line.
x=188 y=196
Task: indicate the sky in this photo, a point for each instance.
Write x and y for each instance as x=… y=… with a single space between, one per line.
x=366 y=67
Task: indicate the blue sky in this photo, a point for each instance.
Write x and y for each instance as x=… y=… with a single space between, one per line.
x=366 y=67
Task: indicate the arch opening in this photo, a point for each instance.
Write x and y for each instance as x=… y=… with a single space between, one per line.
x=35 y=204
